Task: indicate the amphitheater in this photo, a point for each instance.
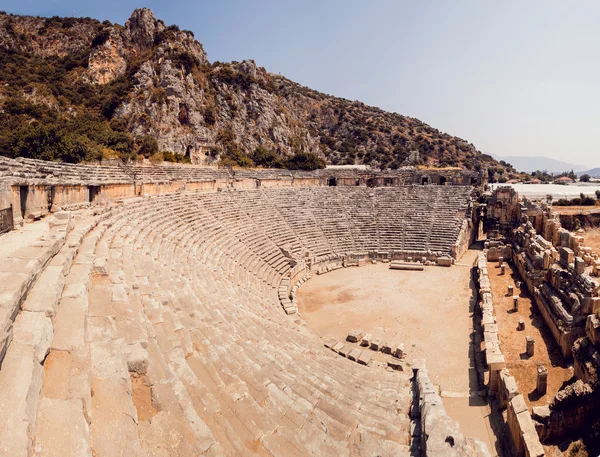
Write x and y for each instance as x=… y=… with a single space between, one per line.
x=152 y=310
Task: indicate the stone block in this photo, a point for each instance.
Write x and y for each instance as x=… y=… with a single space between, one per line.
x=579 y=266
x=337 y=347
x=399 y=351
x=355 y=354
x=386 y=348
x=376 y=344
x=345 y=350
x=444 y=261
x=541 y=413
x=355 y=335
x=365 y=358
x=508 y=387
x=35 y=330
x=99 y=268
x=137 y=359
x=395 y=364
x=46 y=292
x=366 y=340
x=592 y=328
x=567 y=256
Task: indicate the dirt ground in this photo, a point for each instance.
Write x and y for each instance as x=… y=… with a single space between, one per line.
x=512 y=341
x=570 y=210
x=429 y=311
x=592 y=239
x=142 y=398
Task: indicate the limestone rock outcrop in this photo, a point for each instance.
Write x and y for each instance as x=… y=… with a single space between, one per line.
x=155 y=80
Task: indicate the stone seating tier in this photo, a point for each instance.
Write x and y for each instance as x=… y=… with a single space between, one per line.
x=155 y=328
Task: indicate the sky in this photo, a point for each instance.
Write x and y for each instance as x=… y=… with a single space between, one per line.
x=515 y=78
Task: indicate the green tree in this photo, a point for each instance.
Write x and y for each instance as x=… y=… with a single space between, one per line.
x=305 y=161
x=147 y=146
x=585 y=178
x=266 y=158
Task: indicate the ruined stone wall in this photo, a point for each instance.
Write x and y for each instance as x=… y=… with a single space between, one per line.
x=576 y=406
x=5 y=195
x=201 y=185
x=557 y=274
x=504 y=208
x=440 y=435
x=465 y=238
x=573 y=409
x=521 y=428
x=66 y=196
x=306 y=182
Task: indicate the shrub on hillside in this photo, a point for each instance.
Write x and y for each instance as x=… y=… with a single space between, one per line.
x=266 y=158
x=305 y=161
x=147 y=146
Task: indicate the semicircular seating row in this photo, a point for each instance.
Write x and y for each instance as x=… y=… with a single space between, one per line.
x=183 y=348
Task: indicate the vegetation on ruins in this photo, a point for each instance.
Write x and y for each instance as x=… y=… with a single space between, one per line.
x=54 y=106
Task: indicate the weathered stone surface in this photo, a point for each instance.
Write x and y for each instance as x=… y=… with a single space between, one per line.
x=34 y=329
x=46 y=292
x=20 y=384
x=62 y=429
x=70 y=323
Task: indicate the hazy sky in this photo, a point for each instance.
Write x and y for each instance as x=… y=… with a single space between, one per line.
x=512 y=77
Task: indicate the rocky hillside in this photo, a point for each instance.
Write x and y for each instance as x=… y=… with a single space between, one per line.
x=80 y=89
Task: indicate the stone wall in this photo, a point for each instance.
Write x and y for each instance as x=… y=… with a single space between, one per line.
x=576 y=406
x=440 y=435
x=573 y=409
x=521 y=429
x=557 y=268
x=466 y=237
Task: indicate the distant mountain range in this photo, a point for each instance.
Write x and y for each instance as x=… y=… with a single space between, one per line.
x=594 y=173
x=529 y=164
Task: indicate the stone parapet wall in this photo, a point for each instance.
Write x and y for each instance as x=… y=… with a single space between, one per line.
x=523 y=437
x=493 y=354
x=440 y=434
x=465 y=239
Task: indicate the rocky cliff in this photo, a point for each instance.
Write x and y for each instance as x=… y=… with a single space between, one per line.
x=101 y=89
